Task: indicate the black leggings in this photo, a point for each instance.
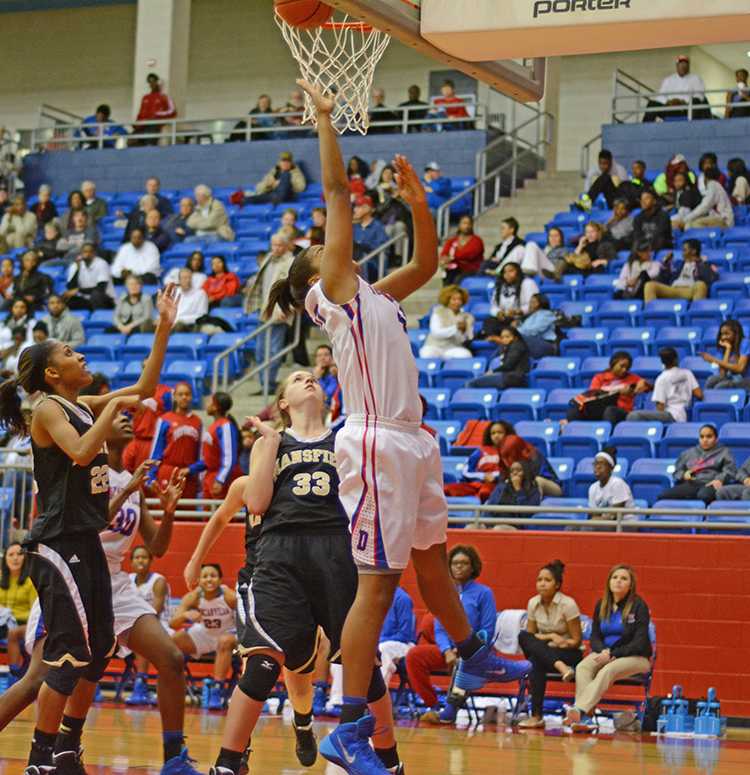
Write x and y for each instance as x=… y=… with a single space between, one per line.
x=543 y=657
x=689 y=491
x=611 y=414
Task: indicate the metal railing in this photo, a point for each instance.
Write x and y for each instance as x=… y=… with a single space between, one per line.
x=586 y=149
x=221 y=370
x=631 y=98
x=16 y=489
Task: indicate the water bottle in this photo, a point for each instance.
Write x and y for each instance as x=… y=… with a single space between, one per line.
x=4 y=678
x=206 y=692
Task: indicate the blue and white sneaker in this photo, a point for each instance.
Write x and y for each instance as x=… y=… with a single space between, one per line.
x=501 y=670
x=180 y=765
x=139 y=695
x=348 y=746
x=471 y=674
x=320 y=698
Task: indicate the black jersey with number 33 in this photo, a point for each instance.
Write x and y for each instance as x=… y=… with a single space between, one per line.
x=306 y=488
x=70 y=498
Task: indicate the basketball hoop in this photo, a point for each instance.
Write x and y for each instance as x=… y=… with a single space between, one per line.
x=340 y=59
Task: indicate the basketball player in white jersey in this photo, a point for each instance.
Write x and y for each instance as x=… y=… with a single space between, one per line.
x=389 y=466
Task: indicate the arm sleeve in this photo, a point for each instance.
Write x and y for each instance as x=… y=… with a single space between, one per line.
x=597 y=640
x=487 y=612
x=513 y=357
x=442 y=641
x=639 y=645
x=707 y=203
x=680 y=468
x=660 y=394
x=528 y=289
x=438 y=329
x=228 y=451
x=117 y=264
x=159 y=445
x=729 y=468
x=534 y=325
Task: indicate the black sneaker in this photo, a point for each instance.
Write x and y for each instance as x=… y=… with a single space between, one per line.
x=69 y=763
x=307 y=747
x=245 y=763
x=39 y=769
x=399 y=770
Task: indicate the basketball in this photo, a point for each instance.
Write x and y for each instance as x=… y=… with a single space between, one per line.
x=306 y=14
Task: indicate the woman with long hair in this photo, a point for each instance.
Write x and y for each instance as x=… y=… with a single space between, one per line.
x=739 y=181
x=620 y=645
x=512 y=293
x=552 y=638
x=31 y=285
x=67 y=563
x=513 y=361
x=222 y=286
x=220 y=448
x=462 y=254
x=639 y=269
x=196 y=263
x=17 y=595
x=732 y=357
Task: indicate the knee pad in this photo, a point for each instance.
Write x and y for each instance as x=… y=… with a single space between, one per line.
x=260 y=676
x=63 y=679
x=377 y=688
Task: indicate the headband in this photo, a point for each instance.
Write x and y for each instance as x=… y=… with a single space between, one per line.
x=606 y=457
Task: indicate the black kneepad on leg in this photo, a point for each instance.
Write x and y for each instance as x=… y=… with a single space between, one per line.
x=377 y=688
x=63 y=679
x=95 y=670
x=260 y=676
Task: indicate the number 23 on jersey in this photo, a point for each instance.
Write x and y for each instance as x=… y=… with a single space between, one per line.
x=99 y=480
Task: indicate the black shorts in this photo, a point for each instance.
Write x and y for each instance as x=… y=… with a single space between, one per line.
x=299 y=583
x=72 y=580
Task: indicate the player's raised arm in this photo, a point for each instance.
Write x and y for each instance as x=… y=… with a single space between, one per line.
x=259 y=488
x=424 y=261
x=337 y=271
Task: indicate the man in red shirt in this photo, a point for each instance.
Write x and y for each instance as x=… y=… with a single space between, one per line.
x=452 y=106
x=154 y=106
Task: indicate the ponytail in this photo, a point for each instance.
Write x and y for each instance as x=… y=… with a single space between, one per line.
x=289 y=293
x=31 y=367
x=11 y=417
x=281 y=295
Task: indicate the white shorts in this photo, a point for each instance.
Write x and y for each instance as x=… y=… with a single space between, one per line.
x=206 y=641
x=391 y=485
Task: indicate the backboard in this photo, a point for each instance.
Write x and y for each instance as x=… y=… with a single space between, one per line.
x=402 y=20
x=488 y=29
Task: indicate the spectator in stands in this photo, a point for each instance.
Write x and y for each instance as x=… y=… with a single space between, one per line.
x=538 y=328
x=6 y=278
x=709 y=160
x=196 y=263
x=326 y=372
x=418 y=108
x=739 y=181
x=369 y=233
x=437 y=187
x=604 y=180
x=263 y=117
x=192 y=305
x=588 y=256
x=295 y=107
x=176 y=225
x=714 y=210
x=80 y=231
x=137 y=216
x=219 y=463
x=154 y=232
x=451 y=106
x=62 y=324
x=20 y=317
x=652 y=224
x=381 y=115
x=739 y=490
x=222 y=286
x=89 y=282
x=552 y=638
x=39 y=333
x=512 y=293
x=680 y=88
x=608 y=491
x=47 y=248
x=138 y=257
x=519 y=488
x=702 y=470
x=281 y=183
x=479 y=604
x=18 y=226
x=451 y=329
x=357 y=171
x=4 y=203
x=732 y=353
x=619 y=228
x=620 y=645
x=483 y=468
x=107 y=129
x=513 y=361
x=740 y=93
x=611 y=393
x=664 y=182
x=639 y=269
x=463 y=253
x=390 y=209
x=163 y=203
x=44 y=208
x=32 y=285
x=555 y=249
x=134 y=311
x=515 y=449
x=398 y=635
x=96 y=207
x=9 y=355
x=632 y=188
x=155 y=105
x=674 y=390
x=210 y=219
x=273 y=266
x=686 y=197
x=689 y=280
x=17 y=595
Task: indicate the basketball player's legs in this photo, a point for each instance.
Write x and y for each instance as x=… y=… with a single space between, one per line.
x=223 y=660
x=299 y=686
x=25 y=691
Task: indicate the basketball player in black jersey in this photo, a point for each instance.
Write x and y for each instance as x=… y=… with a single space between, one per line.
x=67 y=562
x=303 y=577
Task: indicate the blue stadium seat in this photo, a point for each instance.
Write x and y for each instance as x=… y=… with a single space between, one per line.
x=456 y=372
x=110 y=369
x=583 y=476
x=738 y=506
x=563 y=467
x=470 y=500
x=569 y=218
x=542 y=434
x=647 y=366
x=737 y=236
x=235 y=316
x=554 y=371
x=550 y=513
x=685 y=340
x=447 y=431
x=664 y=312
x=585 y=309
x=558 y=403
x=677 y=504
x=637 y=439
x=707 y=311
x=479 y=287
x=736 y=436
x=720 y=406
x=428 y=368
x=100 y=320
x=82 y=314
x=187 y=346
x=481 y=310
x=471 y=403
x=453 y=468
x=104 y=347
x=583 y=439
x=612 y=313
x=710 y=236
x=678 y=436
x=649 y=477
x=218 y=343
x=600 y=287
x=138 y=346
x=731 y=284
x=590 y=367
x=583 y=342
x=636 y=340
x=437 y=402
x=192 y=372
x=702 y=369
x=517 y=404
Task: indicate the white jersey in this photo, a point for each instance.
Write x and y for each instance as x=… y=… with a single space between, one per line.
x=371 y=348
x=216 y=615
x=146 y=591
x=118 y=537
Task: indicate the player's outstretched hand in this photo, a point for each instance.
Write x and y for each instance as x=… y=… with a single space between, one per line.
x=191 y=574
x=262 y=428
x=324 y=104
x=140 y=473
x=170 y=494
x=166 y=304
x=410 y=188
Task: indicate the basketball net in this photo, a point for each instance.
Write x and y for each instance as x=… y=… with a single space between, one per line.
x=340 y=59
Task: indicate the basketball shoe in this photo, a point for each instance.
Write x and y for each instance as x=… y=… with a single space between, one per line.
x=349 y=747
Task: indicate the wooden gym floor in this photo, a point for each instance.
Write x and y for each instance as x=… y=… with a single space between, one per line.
x=119 y=740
